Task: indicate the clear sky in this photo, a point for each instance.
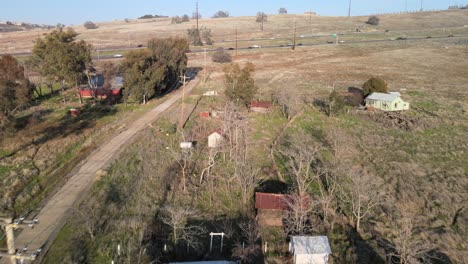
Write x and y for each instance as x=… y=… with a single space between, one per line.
x=79 y=11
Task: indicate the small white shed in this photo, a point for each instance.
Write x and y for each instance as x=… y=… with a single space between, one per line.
x=310 y=249
x=214 y=139
x=386 y=101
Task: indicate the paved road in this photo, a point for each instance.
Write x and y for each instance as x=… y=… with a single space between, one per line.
x=53 y=215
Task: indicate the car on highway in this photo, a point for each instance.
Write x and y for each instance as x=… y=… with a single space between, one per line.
x=231 y=48
x=450 y=35
x=140 y=46
x=401 y=38
x=341 y=41
x=255 y=46
x=118 y=56
x=329 y=42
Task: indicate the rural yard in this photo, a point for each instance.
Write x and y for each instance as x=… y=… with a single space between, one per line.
x=137 y=180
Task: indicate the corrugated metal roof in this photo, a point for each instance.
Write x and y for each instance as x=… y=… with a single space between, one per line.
x=271 y=201
x=310 y=245
x=386 y=97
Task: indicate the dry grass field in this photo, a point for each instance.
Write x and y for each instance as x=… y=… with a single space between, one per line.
x=423 y=167
x=137 y=31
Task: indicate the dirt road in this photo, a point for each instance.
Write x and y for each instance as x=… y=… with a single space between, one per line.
x=53 y=215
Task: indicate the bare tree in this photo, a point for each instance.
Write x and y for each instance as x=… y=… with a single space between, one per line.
x=361 y=193
x=261 y=19
x=328 y=188
x=247 y=176
x=235 y=128
x=297 y=219
x=409 y=247
x=291 y=103
x=282 y=11
x=191 y=235
x=183 y=157
x=300 y=155
x=251 y=234
x=89 y=214
x=177 y=217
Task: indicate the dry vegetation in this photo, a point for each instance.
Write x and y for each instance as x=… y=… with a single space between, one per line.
x=136 y=32
x=420 y=173
x=416 y=173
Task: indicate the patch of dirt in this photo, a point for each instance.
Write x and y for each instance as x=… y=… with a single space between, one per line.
x=398 y=120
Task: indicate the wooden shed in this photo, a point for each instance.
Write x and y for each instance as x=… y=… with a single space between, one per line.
x=261 y=106
x=270 y=208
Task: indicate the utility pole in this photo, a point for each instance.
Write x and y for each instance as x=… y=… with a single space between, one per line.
x=184 y=82
x=236 y=42
x=406 y=6
x=421 y=6
x=349 y=9
x=294 y=37
x=197 y=14
x=10 y=226
x=204 y=65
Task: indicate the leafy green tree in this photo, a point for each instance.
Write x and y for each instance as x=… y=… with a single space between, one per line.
x=375 y=84
x=185 y=18
x=373 y=20
x=176 y=20
x=150 y=72
x=221 y=14
x=15 y=89
x=59 y=57
x=336 y=104
x=240 y=85
x=193 y=35
x=90 y=25
x=200 y=36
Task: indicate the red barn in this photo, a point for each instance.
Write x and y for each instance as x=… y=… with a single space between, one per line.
x=204 y=114
x=261 y=106
x=270 y=208
x=99 y=91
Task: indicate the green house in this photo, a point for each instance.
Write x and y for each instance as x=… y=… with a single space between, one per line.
x=386 y=102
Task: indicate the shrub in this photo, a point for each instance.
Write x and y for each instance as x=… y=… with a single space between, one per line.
x=282 y=11
x=373 y=20
x=375 y=84
x=221 y=56
x=90 y=25
x=176 y=20
x=220 y=14
x=185 y=18
x=146 y=17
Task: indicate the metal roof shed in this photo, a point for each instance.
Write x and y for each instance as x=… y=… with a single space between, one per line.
x=310 y=249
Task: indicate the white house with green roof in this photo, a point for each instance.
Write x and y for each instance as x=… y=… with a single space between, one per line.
x=386 y=102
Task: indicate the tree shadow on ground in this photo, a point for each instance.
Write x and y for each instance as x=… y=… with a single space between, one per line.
x=68 y=125
x=432 y=257
x=273 y=186
x=161 y=248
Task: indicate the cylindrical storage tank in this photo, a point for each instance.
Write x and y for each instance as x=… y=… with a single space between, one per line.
x=186 y=145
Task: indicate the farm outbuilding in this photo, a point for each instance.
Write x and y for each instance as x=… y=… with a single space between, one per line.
x=270 y=208
x=97 y=88
x=215 y=138
x=261 y=106
x=310 y=249
x=386 y=102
